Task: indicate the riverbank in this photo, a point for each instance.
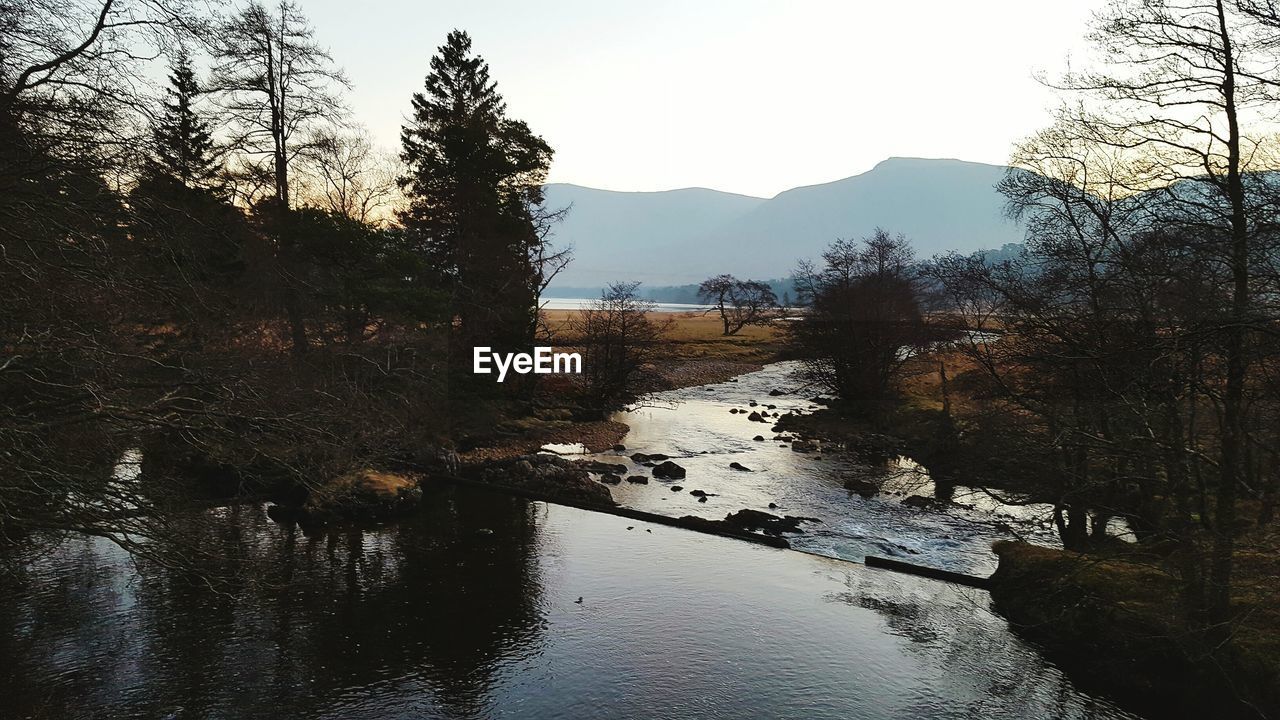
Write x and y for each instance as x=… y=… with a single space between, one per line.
x=1113 y=617
x=1115 y=623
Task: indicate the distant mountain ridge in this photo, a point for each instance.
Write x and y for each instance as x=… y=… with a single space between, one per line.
x=676 y=237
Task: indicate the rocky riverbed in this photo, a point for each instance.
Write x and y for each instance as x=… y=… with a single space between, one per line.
x=725 y=447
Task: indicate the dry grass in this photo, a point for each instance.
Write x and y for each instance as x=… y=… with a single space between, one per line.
x=695 y=336
x=365 y=482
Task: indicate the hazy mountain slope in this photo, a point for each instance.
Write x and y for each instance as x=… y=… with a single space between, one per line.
x=684 y=236
x=614 y=234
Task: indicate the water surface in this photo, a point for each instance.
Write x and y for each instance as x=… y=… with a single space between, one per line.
x=470 y=610
x=696 y=428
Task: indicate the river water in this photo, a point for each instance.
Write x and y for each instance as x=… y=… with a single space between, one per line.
x=696 y=428
x=490 y=606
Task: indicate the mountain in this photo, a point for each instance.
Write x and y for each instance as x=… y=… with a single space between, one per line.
x=684 y=236
x=614 y=234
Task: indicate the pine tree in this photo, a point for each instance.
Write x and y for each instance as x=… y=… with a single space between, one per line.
x=184 y=147
x=474 y=184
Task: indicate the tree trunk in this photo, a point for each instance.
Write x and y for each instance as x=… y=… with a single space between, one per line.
x=1233 y=391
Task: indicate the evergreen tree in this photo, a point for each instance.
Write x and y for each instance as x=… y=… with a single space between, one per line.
x=474 y=184
x=184 y=147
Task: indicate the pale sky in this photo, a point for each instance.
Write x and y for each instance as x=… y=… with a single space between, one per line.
x=748 y=96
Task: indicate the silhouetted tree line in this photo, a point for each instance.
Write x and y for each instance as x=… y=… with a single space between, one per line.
x=225 y=275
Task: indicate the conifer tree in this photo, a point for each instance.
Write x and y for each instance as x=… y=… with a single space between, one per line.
x=184 y=146
x=475 y=184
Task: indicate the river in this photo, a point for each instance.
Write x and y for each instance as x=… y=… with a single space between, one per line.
x=696 y=428
x=486 y=606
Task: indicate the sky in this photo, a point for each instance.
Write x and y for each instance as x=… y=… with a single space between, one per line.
x=746 y=96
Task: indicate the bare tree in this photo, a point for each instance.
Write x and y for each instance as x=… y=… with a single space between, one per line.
x=618 y=338
x=1182 y=84
x=277 y=86
x=864 y=320
x=348 y=176
x=739 y=302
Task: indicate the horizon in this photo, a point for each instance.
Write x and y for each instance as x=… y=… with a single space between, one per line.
x=784 y=190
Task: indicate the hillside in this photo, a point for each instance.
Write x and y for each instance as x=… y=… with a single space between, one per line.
x=682 y=236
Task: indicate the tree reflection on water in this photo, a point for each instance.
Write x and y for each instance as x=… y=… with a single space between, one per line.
x=287 y=621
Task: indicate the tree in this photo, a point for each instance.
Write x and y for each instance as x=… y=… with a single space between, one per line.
x=76 y=382
x=184 y=147
x=617 y=338
x=350 y=177
x=863 y=321
x=739 y=302
x=474 y=187
x=188 y=233
x=1183 y=83
x=277 y=86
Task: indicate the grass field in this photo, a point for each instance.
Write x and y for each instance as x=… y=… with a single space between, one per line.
x=697 y=336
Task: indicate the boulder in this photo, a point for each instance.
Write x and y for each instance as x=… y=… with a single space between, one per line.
x=803 y=446
x=548 y=476
x=739 y=466
x=755 y=417
x=619 y=448
x=610 y=478
x=862 y=486
x=362 y=495
x=595 y=466
x=776 y=392
x=758 y=438
x=668 y=470
x=638 y=479
x=768 y=523
x=676 y=488
x=919 y=502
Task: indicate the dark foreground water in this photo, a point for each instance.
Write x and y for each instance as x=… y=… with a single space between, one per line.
x=469 y=610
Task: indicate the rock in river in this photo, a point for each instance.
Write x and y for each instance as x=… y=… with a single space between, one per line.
x=739 y=466
x=919 y=501
x=596 y=466
x=361 y=496
x=546 y=476
x=768 y=523
x=668 y=470
x=638 y=479
x=862 y=486
x=610 y=478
